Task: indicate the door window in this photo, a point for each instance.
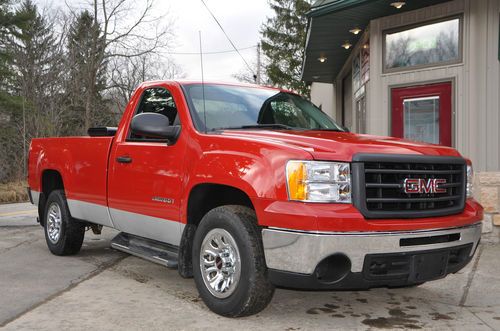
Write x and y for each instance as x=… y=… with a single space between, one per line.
x=421 y=119
x=157 y=100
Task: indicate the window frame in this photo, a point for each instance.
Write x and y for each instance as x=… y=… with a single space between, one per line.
x=150 y=140
x=459 y=60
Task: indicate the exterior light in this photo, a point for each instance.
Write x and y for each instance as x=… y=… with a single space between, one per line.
x=355 y=30
x=366 y=46
x=318 y=181
x=346 y=45
x=398 y=4
x=322 y=59
x=470 y=181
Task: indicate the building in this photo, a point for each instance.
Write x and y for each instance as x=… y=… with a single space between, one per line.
x=426 y=70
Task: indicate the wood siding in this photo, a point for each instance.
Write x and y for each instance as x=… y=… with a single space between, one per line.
x=476 y=81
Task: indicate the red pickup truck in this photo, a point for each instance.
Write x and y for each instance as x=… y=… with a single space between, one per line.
x=246 y=188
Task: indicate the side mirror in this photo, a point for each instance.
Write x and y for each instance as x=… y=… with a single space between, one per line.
x=153 y=125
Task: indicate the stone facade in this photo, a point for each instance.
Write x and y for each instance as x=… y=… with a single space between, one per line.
x=496 y=220
x=487 y=192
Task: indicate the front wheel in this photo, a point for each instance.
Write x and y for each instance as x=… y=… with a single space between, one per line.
x=228 y=262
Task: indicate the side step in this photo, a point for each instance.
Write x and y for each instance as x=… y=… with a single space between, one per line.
x=147 y=249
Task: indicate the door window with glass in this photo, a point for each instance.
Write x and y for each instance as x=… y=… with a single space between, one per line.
x=421 y=119
x=157 y=100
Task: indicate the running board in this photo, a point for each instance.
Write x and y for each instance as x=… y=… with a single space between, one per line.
x=147 y=249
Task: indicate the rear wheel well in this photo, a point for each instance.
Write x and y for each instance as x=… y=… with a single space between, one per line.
x=51 y=180
x=202 y=199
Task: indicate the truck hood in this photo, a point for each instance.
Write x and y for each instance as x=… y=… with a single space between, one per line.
x=341 y=146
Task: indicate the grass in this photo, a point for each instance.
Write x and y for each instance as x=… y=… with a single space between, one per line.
x=13 y=192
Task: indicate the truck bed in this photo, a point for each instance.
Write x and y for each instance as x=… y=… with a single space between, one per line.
x=82 y=163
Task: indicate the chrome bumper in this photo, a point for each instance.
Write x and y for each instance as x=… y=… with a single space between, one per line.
x=300 y=252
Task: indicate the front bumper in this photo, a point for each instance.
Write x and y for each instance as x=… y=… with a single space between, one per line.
x=296 y=258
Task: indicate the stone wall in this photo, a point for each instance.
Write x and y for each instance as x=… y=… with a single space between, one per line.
x=487 y=192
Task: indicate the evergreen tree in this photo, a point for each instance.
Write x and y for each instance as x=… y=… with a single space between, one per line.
x=283 y=40
x=9 y=23
x=87 y=74
x=11 y=165
x=37 y=61
x=56 y=81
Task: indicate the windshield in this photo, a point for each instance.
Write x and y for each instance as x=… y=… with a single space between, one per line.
x=239 y=107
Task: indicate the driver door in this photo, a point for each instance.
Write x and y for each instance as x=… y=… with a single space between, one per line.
x=145 y=177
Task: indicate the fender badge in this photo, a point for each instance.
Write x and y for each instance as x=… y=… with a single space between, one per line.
x=164 y=200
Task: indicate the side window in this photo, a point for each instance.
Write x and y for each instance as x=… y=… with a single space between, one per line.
x=287 y=113
x=158 y=100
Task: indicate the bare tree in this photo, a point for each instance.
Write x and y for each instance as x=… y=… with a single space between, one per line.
x=127 y=73
x=247 y=76
x=121 y=34
x=61 y=72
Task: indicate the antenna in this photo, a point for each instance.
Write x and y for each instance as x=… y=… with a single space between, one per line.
x=203 y=85
x=258 y=78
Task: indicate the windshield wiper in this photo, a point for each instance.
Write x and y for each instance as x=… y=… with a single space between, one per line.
x=327 y=129
x=270 y=126
x=259 y=126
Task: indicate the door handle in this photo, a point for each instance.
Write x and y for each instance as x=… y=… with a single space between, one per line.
x=124 y=159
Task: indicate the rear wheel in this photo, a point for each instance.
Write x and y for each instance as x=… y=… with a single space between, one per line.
x=228 y=262
x=64 y=235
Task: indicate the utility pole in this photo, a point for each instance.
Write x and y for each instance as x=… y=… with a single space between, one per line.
x=258 y=65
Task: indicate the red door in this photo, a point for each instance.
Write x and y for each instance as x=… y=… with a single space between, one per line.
x=422 y=113
x=145 y=177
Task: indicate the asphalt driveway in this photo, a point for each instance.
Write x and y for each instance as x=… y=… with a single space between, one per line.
x=104 y=289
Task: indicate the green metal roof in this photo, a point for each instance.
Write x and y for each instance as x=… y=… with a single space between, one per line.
x=321 y=7
x=329 y=25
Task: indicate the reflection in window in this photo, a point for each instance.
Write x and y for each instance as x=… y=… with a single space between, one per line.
x=423 y=45
x=222 y=106
x=421 y=119
x=158 y=100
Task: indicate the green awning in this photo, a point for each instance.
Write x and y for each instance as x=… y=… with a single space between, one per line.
x=329 y=25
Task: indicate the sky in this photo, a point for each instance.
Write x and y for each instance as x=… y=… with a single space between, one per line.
x=242 y=21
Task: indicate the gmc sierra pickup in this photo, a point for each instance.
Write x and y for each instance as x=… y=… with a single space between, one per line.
x=246 y=188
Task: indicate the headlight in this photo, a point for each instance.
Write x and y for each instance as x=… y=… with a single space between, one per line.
x=315 y=181
x=470 y=181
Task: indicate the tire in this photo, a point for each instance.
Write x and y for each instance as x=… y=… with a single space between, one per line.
x=251 y=290
x=64 y=235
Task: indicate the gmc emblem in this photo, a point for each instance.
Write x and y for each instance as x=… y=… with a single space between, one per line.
x=421 y=185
